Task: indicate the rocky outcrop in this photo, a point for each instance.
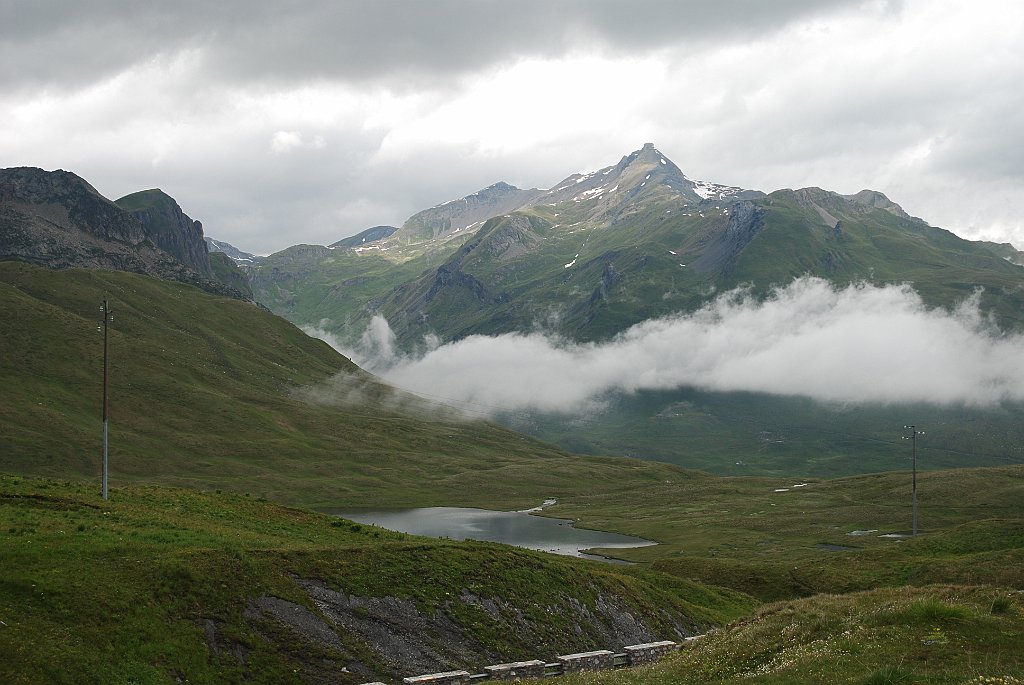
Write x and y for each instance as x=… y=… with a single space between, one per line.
x=239 y=256
x=57 y=220
x=456 y=215
x=401 y=637
x=169 y=228
x=370 y=235
x=512 y=237
x=746 y=220
x=867 y=200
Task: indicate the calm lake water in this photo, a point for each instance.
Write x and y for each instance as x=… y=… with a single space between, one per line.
x=509 y=527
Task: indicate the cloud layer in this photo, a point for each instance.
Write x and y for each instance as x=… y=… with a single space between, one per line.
x=860 y=344
x=281 y=123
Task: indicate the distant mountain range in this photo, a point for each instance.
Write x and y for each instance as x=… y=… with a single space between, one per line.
x=602 y=251
x=584 y=261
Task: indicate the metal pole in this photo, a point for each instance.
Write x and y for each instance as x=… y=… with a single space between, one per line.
x=106 y=317
x=913 y=449
x=913 y=490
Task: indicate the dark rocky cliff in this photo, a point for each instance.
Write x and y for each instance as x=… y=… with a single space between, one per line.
x=169 y=228
x=57 y=220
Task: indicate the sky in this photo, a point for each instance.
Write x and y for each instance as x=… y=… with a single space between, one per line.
x=304 y=122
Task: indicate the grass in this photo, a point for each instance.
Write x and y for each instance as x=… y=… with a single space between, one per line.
x=127 y=590
x=742 y=533
x=242 y=407
x=879 y=636
x=215 y=393
x=889 y=675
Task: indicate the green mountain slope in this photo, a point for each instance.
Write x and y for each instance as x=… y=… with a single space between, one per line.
x=588 y=269
x=340 y=287
x=216 y=392
x=606 y=250
x=332 y=288
x=227 y=272
x=603 y=251
x=768 y=435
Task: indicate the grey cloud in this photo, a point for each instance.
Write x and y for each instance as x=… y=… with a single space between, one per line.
x=749 y=95
x=358 y=40
x=861 y=344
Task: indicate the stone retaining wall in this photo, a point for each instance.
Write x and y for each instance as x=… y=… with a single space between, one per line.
x=635 y=655
x=586 y=661
x=447 y=678
x=638 y=655
x=516 y=670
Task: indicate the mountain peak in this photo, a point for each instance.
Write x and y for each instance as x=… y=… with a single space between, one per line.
x=145 y=199
x=648 y=154
x=450 y=218
x=169 y=227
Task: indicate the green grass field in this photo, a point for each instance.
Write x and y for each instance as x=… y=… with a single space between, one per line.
x=210 y=392
x=159 y=584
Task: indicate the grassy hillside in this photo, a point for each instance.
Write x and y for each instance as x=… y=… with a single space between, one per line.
x=214 y=585
x=740 y=434
x=330 y=288
x=588 y=274
x=936 y=634
x=227 y=272
x=163 y=585
x=214 y=392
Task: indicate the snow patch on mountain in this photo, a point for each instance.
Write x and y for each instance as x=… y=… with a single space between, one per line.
x=708 y=190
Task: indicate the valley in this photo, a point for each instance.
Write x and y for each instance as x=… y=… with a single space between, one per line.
x=781 y=520
x=602 y=257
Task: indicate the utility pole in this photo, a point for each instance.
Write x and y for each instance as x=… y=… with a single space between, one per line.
x=108 y=316
x=913 y=491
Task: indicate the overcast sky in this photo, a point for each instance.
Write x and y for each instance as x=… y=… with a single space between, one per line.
x=278 y=123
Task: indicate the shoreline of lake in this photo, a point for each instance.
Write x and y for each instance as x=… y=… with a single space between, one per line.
x=516 y=528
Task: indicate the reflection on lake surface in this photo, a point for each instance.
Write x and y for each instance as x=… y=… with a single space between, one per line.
x=509 y=527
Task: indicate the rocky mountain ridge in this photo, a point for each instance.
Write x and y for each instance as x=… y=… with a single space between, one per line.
x=449 y=219
x=603 y=250
x=169 y=228
x=370 y=235
x=238 y=256
x=56 y=219
x=643 y=175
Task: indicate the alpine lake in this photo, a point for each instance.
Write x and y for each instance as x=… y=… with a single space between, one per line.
x=516 y=528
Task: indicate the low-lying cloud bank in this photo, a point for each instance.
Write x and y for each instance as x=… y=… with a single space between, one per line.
x=859 y=344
